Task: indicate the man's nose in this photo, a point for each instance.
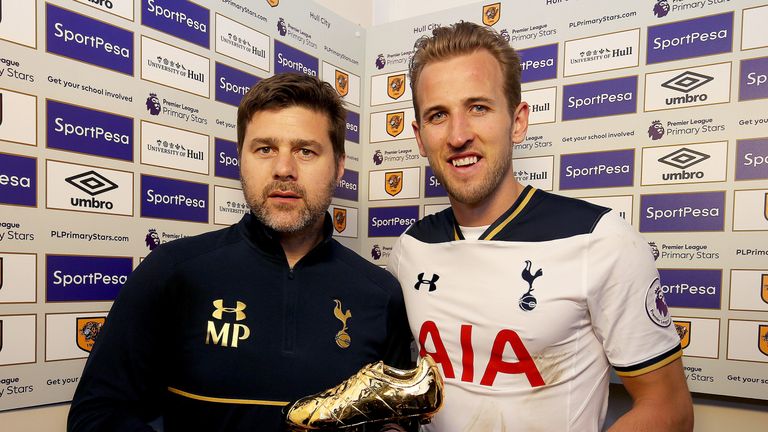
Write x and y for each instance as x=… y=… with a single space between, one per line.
x=285 y=166
x=460 y=132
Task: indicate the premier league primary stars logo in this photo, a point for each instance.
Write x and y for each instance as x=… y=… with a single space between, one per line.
x=661 y=8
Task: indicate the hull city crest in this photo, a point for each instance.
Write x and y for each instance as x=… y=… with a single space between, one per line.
x=491 y=14
x=88 y=329
x=342 y=83
x=273 y=3
x=395 y=123
x=339 y=219
x=684 y=331
x=762 y=341
x=763 y=287
x=393 y=182
x=396 y=86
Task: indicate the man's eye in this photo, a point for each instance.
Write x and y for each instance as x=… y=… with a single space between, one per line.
x=305 y=153
x=436 y=117
x=263 y=150
x=479 y=108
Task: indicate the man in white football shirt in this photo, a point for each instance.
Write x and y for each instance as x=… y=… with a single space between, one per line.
x=526 y=299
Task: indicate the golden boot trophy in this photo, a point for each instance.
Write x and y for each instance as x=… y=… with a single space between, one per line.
x=376 y=395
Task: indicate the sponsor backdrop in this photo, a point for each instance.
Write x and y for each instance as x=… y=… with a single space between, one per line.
x=117 y=133
x=655 y=108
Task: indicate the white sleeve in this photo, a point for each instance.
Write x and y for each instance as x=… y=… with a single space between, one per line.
x=628 y=311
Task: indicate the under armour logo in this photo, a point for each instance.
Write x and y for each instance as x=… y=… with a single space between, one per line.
x=430 y=282
x=220 y=309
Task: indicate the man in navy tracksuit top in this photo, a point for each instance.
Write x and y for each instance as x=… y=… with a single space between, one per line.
x=219 y=331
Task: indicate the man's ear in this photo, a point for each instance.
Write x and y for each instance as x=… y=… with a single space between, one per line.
x=417 y=133
x=520 y=122
x=340 y=167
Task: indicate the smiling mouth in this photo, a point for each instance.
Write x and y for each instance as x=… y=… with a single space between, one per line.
x=465 y=161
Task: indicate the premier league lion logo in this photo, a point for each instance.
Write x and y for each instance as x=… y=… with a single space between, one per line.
x=152 y=240
x=505 y=35
x=654 y=250
x=153 y=104
x=380 y=61
x=378 y=158
x=656 y=130
x=376 y=252
x=661 y=8
x=281 y=27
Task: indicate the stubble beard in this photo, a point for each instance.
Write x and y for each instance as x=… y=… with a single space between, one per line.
x=288 y=218
x=477 y=191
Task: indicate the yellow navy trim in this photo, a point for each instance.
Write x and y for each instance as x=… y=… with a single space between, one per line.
x=511 y=216
x=226 y=400
x=651 y=365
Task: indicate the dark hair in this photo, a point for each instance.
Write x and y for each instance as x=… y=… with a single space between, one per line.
x=290 y=89
x=466 y=38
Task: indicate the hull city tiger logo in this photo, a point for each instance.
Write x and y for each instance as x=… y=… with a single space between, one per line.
x=393 y=182
x=273 y=3
x=683 y=329
x=395 y=123
x=343 y=340
x=762 y=338
x=396 y=86
x=342 y=83
x=339 y=219
x=528 y=302
x=88 y=329
x=763 y=286
x=491 y=14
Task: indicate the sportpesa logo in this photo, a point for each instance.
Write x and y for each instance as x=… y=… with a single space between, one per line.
x=600 y=98
x=686 y=212
x=185 y=20
x=85 y=278
x=690 y=38
x=174 y=199
x=232 y=84
x=291 y=60
x=79 y=37
x=391 y=221
x=82 y=130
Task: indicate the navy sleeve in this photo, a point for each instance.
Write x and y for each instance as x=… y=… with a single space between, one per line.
x=123 y=382
x=398 y=345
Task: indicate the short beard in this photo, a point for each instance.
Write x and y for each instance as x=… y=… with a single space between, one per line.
x=475 y=194
x=313 y=210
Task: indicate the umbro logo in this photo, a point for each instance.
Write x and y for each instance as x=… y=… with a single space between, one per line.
x=683 y=158
x=91 y=183
x=431 y=282
x=687 y=82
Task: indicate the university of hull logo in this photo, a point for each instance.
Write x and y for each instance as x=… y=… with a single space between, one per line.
x=395 y=123
x=153 y=104
x=221 y=335
x=343 y=340
x=88 y=329
x=528 y=302
x=656 y=130
x=661 y=8
x=763 y=284
x=91 y=183
x=339 y=219
x=393 y=182
x=491 y=14
x=431 y=282
x=683 y=158
x=762 y=341
x=683 y=329
x=395 y=86
x=341 y=82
